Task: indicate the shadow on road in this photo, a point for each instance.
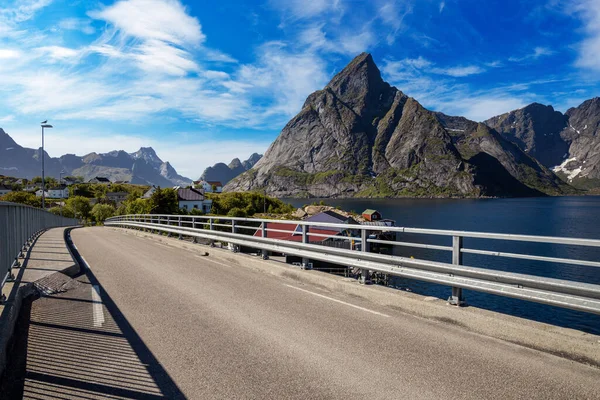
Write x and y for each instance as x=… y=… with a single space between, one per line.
x=78 y=345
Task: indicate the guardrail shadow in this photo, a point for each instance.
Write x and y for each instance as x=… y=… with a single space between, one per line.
x=78 y=344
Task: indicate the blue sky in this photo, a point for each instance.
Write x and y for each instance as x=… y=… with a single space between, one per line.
x=206 y=81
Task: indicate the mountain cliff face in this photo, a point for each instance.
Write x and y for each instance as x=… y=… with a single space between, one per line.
x=569 y=143
x=359 y=136
x=536 y=130
x=224 y=173
x=143 y=166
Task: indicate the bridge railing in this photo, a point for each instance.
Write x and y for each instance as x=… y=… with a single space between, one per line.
x=302 y=237
x=19 y=226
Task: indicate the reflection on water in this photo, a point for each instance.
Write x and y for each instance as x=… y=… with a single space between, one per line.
x=552 y=216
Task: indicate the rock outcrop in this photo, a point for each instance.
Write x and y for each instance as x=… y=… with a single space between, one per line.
x=359 y=136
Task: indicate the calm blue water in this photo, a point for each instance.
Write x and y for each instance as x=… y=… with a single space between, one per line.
x=552 y=216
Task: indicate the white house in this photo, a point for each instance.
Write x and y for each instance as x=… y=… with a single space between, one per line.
x=58 y=192
x=190 y=199
x=39 y=192
x=5 y=190
x=208 y=186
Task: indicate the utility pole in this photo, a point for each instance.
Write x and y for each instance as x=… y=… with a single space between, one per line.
x=44 y=125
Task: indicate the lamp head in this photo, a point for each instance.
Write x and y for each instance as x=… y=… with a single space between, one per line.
x=47 y=126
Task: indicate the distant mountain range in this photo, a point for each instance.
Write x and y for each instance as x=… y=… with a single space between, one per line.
x=141 y=167
x=361 y=137
x=223 y=173
x=568 y=143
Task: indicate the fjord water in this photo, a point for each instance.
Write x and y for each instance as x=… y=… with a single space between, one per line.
x=548 y=216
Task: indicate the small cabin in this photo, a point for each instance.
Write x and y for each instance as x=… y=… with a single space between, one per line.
x=371 y=215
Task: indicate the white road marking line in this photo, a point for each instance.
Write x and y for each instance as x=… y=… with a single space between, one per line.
x=97 y=306
x=338 y=301
x=213 y=261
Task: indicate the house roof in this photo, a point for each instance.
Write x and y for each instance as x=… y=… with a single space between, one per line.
x=370 y=211
x=216 y=183
x=189 y=195
x=292 y=233
x=61 y=187
x=331 y=217
x=117 y=194
x=101 y=179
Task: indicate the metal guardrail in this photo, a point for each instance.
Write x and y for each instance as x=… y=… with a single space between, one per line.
x=19 y=226
x=557 y=292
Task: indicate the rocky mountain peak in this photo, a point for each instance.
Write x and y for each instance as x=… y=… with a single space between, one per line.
x=148 y=154
x=235 y=163
x=360 y=85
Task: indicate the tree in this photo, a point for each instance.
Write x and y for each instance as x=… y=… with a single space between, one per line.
x=29 y=199
x=137 y=206
x=101 y=212
x=164 y=201
x=79 y=206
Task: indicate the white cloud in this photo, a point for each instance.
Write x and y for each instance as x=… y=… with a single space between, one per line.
x=442 y=6
x=300 y=9
x=77 y=24
x=391 y=14
x=459 y=72
x=6 y=54
x=58 y=52
x=413 y=77
x=534 y=55
x=589 y=48
x=162 y=20
x=288 y=77
x=23 y=10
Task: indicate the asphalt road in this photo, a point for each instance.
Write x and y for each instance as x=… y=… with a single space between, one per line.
x=221 y=330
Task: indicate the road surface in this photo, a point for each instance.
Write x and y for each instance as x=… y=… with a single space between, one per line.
x=217 y=329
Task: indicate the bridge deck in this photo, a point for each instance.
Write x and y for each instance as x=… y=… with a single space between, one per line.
x=221 y=330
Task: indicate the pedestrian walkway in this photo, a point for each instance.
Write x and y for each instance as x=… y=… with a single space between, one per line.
x=74 y=345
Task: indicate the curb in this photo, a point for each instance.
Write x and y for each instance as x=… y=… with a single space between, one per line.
x=46 y=285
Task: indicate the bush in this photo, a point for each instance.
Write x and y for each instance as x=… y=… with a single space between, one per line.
x=79 y=206
x=26 y=198
x=101 y=212
x=249 y=203
x=237 y=212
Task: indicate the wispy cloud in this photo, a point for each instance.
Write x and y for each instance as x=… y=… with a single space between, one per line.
x=416 y=78
x=459 y=72
x=77 y=24
x=534 y=55
x=589 y=48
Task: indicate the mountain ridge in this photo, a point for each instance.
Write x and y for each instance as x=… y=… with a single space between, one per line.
x=221 y=172
x=141 y=167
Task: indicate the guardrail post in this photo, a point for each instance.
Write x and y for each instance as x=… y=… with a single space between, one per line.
x=305 y=261
x=234 y=247
x=194 y=227
x=365 y=276
x=457 y=298
x=263 y=233
x=179 y=223
x=210 y=226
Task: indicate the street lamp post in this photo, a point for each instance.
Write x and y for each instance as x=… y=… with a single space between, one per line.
x=62 y=196
x=44 y=125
